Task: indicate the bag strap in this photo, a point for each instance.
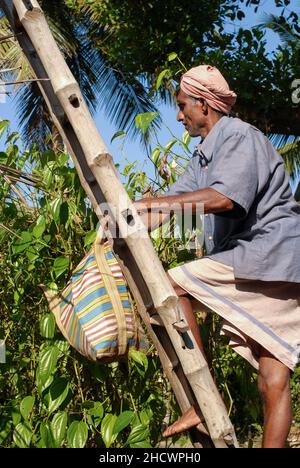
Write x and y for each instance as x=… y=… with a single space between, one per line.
x=112 y=289
x=135 y=315
x=103 y=232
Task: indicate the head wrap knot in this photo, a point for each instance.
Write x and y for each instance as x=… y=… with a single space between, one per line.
x=208 y=83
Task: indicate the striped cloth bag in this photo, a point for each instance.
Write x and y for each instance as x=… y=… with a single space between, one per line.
x=94 y=311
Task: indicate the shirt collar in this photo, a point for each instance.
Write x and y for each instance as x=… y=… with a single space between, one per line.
x=205 y=148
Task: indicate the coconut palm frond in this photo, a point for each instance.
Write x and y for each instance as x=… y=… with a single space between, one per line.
x=34 y=119
x=102 y=85
x=291 y=155
x=279 y=25
x=63 y=37
x=122 y=98
x=280 y=141
x=11 y=56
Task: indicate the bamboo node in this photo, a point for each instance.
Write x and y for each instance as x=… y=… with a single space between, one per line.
x=73 y=99
x=101 y=160
x=156 y=320
x=181 y=326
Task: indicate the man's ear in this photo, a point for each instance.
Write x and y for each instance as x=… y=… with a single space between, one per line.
x=203 y=105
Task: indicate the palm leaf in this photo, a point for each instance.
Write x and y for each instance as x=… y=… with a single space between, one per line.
x=11 y=56
x=279 y=25
x=34 y=118
x=290 y=152
x=121 y=97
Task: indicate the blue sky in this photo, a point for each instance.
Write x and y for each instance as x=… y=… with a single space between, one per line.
x=123 y=151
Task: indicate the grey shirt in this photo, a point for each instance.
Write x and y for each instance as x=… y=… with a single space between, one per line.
x=260 y=238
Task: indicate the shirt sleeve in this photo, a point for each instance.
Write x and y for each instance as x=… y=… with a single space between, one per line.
x=235 y=170
x=186 y=182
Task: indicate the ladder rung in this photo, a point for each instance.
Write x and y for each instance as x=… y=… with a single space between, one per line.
x=156 y=320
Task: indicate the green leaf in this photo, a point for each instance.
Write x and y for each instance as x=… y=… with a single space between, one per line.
x=57 y=394
x=89 y=238
x=3 y=157
x=138 y=434
x=64 y=214
x=46 y=239
x=16 y=415
x=62 y=345
x=123 y=420
x=43 y=385
x=55 y=208
x=12 y=138
x=143 y=121
x=97 y=410
x=59 y=427
x=240 y=15
x=141 y=444
x=155 y=155
x=186 y=138
x=26 y=406
x=120 y=133
x=77 y=434
x=161 y=76
x=107 y=427
x=47 y=326
x=47 y=362
x=88 y=404
x=22 y=435
x=32 y=255
x=169 y=145
x=140 y=359
x=38 y=230
x=128 y=168
x=3 y=126
x=60 y=265
x=46 y=435
x=22 y=244
x=172 y=56
x=63 y=159
x=145 y=416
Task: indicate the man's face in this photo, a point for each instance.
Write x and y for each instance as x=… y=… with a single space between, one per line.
x=190 y=114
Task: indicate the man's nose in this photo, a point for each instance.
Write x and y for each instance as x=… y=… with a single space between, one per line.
x=179 y=116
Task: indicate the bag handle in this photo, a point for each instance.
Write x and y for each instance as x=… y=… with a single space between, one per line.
x=112 y=289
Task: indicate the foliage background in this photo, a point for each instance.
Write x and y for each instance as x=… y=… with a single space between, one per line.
x=49 y=395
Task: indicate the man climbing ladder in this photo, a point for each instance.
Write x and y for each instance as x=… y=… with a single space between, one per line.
x=250 y=275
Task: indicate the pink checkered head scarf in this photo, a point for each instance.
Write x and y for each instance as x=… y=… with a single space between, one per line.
x=208 y=83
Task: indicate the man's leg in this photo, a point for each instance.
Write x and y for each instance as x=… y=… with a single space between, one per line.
x=191 y=417
x=189 y=315
x=274 y=386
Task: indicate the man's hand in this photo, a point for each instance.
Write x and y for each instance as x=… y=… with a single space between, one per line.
x=149 y=211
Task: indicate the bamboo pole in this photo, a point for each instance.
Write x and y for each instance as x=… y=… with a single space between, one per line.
x=100 y=166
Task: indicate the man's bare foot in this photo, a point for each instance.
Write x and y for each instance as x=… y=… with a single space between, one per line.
x=188 y=420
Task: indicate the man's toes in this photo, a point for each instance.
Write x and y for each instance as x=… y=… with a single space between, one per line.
x=171 y=430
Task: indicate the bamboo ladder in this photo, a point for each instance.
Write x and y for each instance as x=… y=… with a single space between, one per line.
x=157 y=303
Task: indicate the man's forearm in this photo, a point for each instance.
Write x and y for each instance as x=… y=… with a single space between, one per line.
x=209 y=199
